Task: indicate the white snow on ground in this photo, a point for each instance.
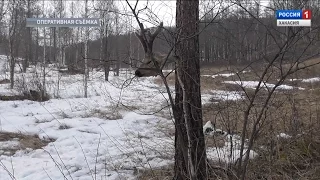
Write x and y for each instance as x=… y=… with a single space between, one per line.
x=223 y=75
x=8 y=145
x=205 y=98
x=284 y=135
x=220 y=95
x=216 y=75
x=226 y=95
x=71 y=120
x=294 y=79
x=205 y=75
x=167 y=70
x=230 y=151
x=4 y=90
x=254 y=84
x=311 y=80
x=75 y=153
x=89 y=144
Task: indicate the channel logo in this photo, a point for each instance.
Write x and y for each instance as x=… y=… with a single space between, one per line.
x=294 y=17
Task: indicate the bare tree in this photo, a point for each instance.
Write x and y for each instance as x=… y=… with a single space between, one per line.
x=43 y=89
x=61 y=13
x=106 y=8
x=281 y=55
x=14 y=36
x=2 y=9
x=190 y=153
x=117 y=34
x=29 y=54
x=86 y=70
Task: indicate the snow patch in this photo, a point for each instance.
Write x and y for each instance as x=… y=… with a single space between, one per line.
x=254 y=84
x=311 y=80
x=223 y=75
x=226 y=95
x=230 y=152
x=284 y=135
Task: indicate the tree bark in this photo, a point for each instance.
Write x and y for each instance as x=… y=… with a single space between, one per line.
x=13 y=42
x=54 y=44
x=117 y=68
x=86 y=72
x=106 y=63
x=190 y=152
x=29 y=42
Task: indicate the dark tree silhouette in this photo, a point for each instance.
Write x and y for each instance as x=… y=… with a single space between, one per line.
x=190 y=153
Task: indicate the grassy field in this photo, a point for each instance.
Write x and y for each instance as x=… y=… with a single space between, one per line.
x=288 y=143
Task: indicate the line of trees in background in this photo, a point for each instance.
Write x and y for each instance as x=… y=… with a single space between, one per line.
x=230 y=36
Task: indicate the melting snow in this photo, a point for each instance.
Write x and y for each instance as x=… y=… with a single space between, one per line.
x=284 y=135
x=216 y=75
x=88 y=143
x=226 y=95
x=311 y=80
x=223 y=75
x=230 y=152
x=254 y=84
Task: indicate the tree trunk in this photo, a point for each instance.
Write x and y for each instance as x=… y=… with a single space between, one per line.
x=43 y=90
x=86 y=72
x=106 y=63
x=117 y=68
x=12 y=64
x=190 y=152
x=12 y=58
x=29 y=43
x=13 y=36
x=36 y=47
x=55 y=44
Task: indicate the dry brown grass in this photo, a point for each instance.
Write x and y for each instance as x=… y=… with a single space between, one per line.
x=212 y=141
x=162 y=173
x=294 y=158
x=31 y=95
x=309 y=85
x=167 y=172
x=294 y=112
x=109 y=114
x=26 y=141
x=283 y=104
x=4 y=81
x=207 y=83
x=213 y=70
x=297 y=158
x=308 y=62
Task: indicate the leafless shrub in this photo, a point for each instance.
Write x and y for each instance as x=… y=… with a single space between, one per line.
x=32 y=89
x=64 y=115
x=4 y=81
x=107 y=114
x=64 y=126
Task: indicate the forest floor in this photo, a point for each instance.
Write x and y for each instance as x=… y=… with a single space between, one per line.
x=122 y=130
